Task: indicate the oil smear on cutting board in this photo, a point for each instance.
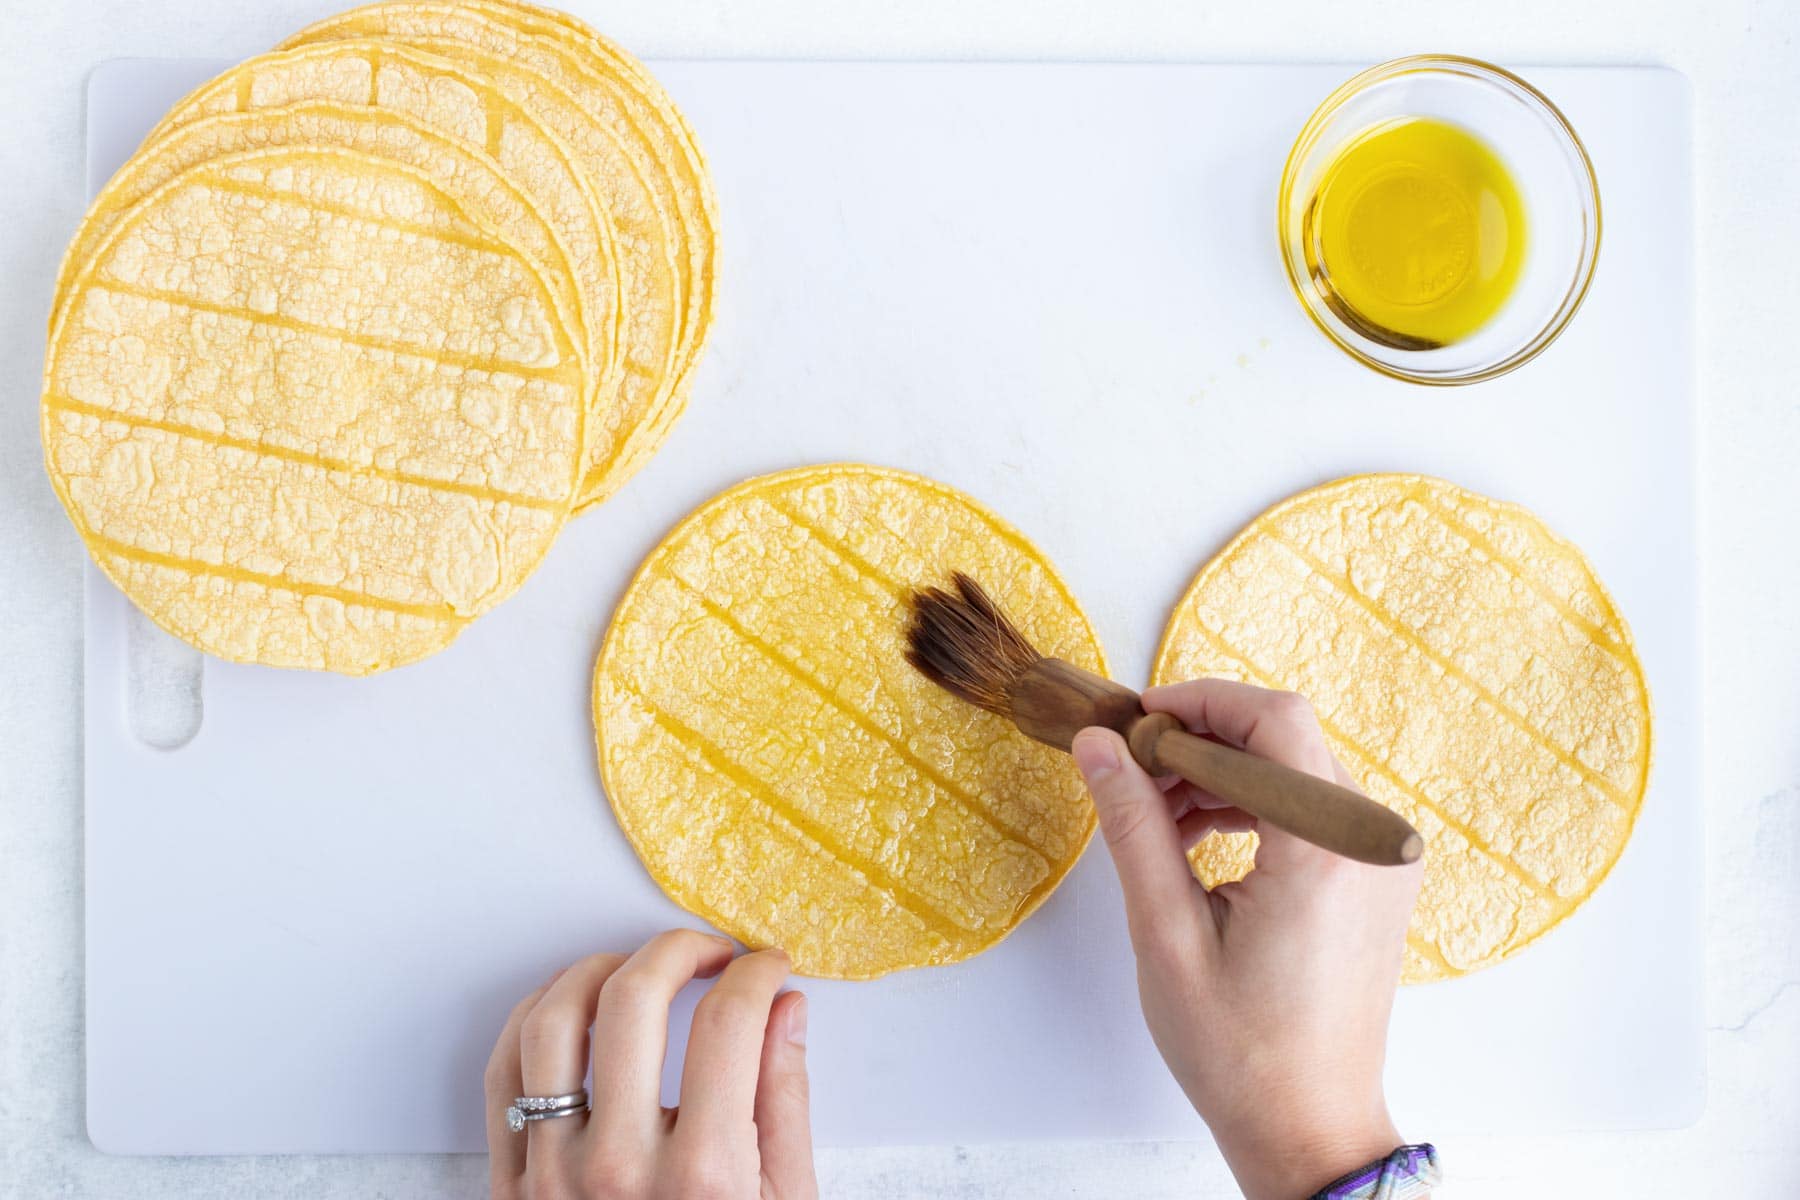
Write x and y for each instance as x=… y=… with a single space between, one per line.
x=1416 y=233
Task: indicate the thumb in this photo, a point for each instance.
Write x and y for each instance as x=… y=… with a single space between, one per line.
x=783 y=1117
x=1145 y=845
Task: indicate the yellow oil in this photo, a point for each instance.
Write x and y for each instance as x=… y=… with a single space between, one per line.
x=1416 y=233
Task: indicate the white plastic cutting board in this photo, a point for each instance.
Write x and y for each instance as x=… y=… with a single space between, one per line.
x=1018 y=279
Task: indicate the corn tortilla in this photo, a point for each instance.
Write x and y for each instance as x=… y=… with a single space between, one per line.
x=641 y=127
x=470 y=108
x=472 y=95
x=780 y=768
x=472 y=183
x=306 y=410
x=1467 y=666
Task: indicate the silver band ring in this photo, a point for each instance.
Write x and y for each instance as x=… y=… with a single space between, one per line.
x=525 y=1109
x=529 y=1103
x=517 y=1118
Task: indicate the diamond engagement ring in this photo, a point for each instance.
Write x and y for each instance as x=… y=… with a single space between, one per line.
x=543 y=1108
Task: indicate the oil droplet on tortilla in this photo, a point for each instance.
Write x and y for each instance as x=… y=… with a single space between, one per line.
x=1416 y=233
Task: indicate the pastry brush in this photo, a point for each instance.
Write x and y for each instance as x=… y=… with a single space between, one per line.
x=964 y=643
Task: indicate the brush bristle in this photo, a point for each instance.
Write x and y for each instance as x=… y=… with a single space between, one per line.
x=962 y=642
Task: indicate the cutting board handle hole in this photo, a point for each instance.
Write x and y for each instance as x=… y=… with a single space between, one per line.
x=164 y=681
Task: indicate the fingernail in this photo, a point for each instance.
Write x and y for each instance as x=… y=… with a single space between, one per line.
x=559 y=974
x=723 y=940
x=1094 y=754
x=796 y=1022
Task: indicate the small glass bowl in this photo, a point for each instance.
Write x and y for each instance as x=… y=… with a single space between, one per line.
x=1548 y=163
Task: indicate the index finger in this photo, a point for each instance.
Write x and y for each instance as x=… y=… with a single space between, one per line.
x=1275 y=725
x=1279 y=726
x=724 y=1053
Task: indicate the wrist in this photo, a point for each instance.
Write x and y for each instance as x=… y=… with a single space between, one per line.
x=1280 y=1160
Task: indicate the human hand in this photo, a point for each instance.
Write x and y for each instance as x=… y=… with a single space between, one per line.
x=742 y=1129
x=1268 y=998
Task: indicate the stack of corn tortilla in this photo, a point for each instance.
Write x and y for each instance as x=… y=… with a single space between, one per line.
x=365 y=320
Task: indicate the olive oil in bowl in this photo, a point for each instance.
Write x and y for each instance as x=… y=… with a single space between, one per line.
x=1415 y=233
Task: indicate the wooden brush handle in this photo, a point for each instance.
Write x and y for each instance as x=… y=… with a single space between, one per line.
x=1054 y=700
x=1313 y=809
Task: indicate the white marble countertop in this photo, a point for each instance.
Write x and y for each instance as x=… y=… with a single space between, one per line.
x=1743 y=58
